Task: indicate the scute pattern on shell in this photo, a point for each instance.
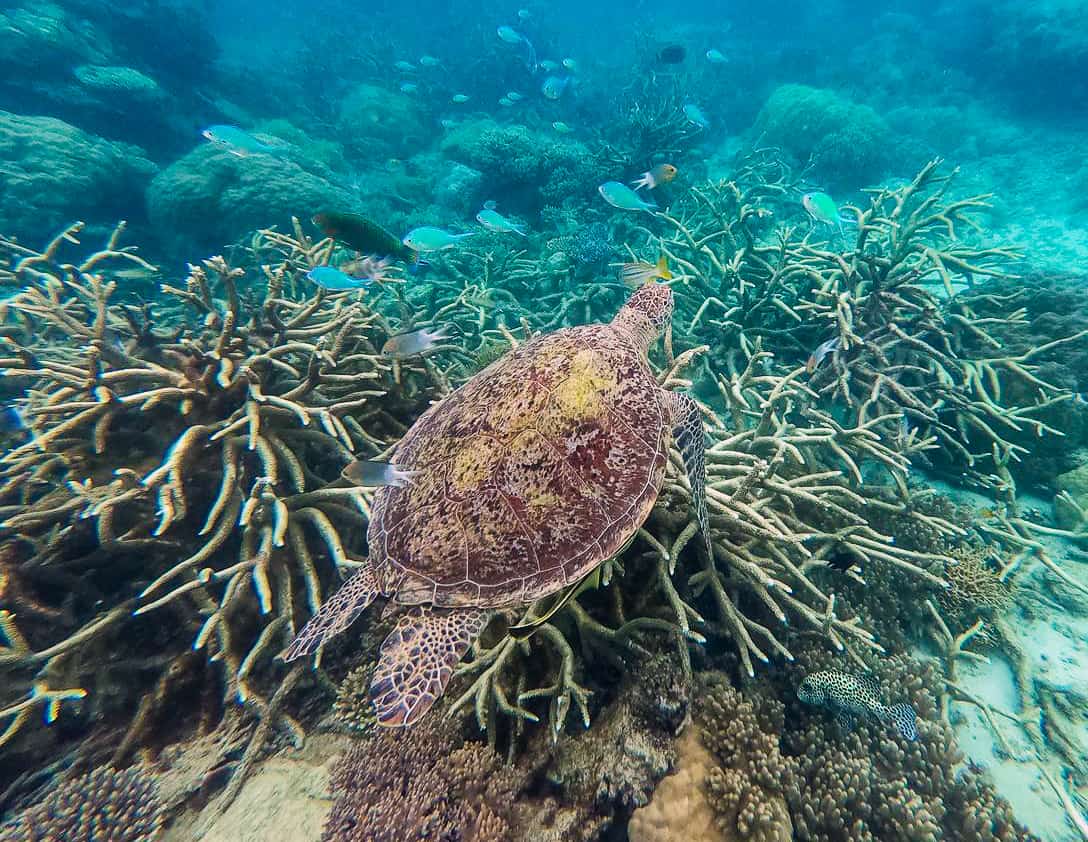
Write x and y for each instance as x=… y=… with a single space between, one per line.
x=532 y=473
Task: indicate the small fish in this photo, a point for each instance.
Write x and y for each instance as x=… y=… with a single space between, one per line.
x=409 y=88
x=696 y=116
x=416 y=342
x=359 y=233
x=635 y=275
x=715 y=57
x=427 y=238
x=447 y=124
x=571 y=65
x=505 y=103
x=460 y=98
x=331 y=278
x=490 y=204
x=239 y=142
x=371 y=474
x=554 y=86
x=623 y=197
x=822 y=209
x=523 y=14
x=492 y=220
x=852 y=695
x=510 y=35
x=549 y=66
x=822 y=350
x=404 y=66
x=429 y=61
x=514 y=96
x=661 y=174
x=562 y=127
x=369 y=269
x=672 y=54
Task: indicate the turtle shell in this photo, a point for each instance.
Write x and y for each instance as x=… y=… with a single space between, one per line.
x=531 y=474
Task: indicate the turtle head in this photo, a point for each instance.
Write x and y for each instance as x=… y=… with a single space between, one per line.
x=647 y=312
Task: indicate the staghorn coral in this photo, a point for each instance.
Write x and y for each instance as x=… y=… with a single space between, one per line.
x=106 y=805
x=222 y=509
x=975 y=589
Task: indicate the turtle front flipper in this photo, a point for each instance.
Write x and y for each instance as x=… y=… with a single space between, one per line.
x=687 y=429
x=417 y=660
x=335 y=615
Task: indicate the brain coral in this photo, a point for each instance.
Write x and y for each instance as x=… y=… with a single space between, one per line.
x=848 y=143
x=43 y=34
x=376 y=123
x=527 y=168
x=210 y=197
x=54 y=173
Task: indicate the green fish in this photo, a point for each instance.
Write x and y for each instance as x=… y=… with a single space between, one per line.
x=239 y=142
x=359 y=233
x=427 y=238
x=623 y=197
x=822 y=208
x=492 y=220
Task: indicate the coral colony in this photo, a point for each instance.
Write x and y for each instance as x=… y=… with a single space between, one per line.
x=830 y=392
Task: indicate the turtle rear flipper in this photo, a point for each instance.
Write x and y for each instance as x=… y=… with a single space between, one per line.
x=417 y=660
x=335 y=615
x=690 y=438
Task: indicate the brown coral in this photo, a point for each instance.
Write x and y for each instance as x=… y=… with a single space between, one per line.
x=105 y=805
x=424 y=783
x=975 y=588
x=748 y=786
x=783 y=771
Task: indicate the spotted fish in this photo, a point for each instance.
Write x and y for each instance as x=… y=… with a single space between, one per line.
x=851 y=696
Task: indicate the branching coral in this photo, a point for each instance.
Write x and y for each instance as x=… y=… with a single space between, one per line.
x=901 y=357
x=201 y=462
x=106 y=804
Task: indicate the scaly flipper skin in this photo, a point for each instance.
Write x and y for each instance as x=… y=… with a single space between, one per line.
x=691 y=441
x=336 y=614
x=417 y=660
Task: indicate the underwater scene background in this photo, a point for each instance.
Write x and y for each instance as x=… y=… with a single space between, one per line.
x=839 y=592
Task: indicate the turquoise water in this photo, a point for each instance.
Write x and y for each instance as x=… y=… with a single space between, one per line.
x=559 y=422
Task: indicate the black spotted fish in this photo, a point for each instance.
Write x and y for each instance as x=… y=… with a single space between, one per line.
x=851 y=696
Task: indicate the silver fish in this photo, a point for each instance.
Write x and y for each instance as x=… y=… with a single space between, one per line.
x=372 y=474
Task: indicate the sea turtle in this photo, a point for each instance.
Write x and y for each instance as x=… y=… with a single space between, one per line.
x=521 y=483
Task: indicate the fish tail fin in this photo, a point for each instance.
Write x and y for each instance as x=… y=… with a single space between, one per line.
x=905 y=719
x=663 y=270
x=402 y=477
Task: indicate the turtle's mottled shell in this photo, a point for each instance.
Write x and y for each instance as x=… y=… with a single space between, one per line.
x=530 y=475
